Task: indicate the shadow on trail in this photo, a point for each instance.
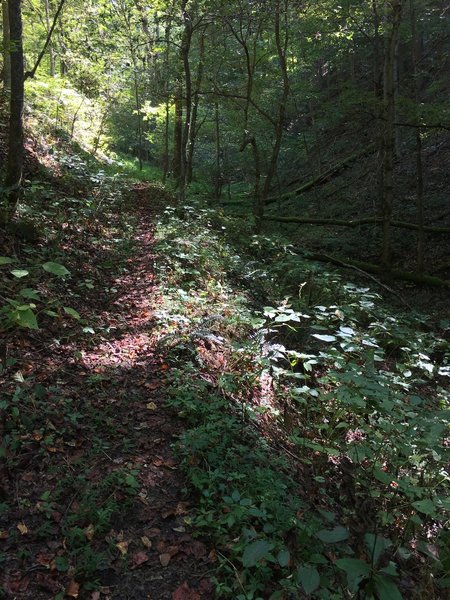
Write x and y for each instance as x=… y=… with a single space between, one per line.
x=95 y=483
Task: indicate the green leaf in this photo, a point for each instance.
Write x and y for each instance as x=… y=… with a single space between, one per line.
x=332 y=536
x=62 y=564
x=386 y=588
x=309 y=577
x=376 y=546
x=72 y=312
x=25 y=317
x=29 y=294
x=19 y=273
x=356 y=570
x=324 y=338
x=255 y=552
x=5 y=260
x=283 y=558
x=427 y=507
x=55 y=269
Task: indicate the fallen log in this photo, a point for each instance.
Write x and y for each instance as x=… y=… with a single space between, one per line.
x=323 y=177
x=400 y=274
x=354 y=223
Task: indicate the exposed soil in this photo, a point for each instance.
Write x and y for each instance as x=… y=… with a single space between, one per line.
x=152 y=553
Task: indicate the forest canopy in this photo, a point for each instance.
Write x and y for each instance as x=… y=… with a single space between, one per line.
x=224 y=275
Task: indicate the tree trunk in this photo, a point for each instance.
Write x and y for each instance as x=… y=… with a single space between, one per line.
x=391 y=39
x=218 y=182
x=185 y=140
x=416 y=55
x=193 y=121
x=165 y=157
x=178 y=133
x=51 y=50
x=14 y=166
x=272 y=169
x=6 y=43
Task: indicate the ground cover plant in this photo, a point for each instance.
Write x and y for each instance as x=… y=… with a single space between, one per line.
x=224 y=328
x=318 y=437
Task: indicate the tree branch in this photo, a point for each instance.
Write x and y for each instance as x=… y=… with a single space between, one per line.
x=32 y=73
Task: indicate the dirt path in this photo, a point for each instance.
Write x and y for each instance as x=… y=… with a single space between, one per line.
x=122 y=427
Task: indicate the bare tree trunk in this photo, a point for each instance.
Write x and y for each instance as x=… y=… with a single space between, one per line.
x=6 y=44
x=272 y=169
x=51 y=50
x=178 y=133
x=394 y=16
x=218 y=176
x=165 y=157
x=416 y=55
x=185 y=49
x=137 y=99
x=193 y=121
x=14 y=165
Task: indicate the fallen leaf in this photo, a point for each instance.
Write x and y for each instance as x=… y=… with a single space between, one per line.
x=73 y=589
x=182 y=508
x=123 y=547
x=22 y=528
x=139 y=558
x=151 y=406
x=152 y=385
x=164 y=559
x=147 y=543
x=47 y=583
x=16 y=583
x=43 y=558
x=4 y=535
x=184 y=592
x=89 y=532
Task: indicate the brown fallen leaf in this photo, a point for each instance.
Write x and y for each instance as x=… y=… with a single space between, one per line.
x=47 y=583
x=73 y=589
x=151 y=406
x=184 y=592
x=4 y=535
x=139 y=558
x=152 y=385
x=89 y=532
x=123 y=547
x=182 y=508
x=16 y=583
x=164 y=559
x=147 y=543
x=22 y=528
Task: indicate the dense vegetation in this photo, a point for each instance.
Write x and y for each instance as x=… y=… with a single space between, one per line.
x=224 y=329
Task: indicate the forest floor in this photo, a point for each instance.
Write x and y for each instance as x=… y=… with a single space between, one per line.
x=190 y=411
x=96 y=499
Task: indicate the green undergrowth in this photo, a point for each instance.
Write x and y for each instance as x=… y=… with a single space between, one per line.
x=317 y=418
x=57 y=429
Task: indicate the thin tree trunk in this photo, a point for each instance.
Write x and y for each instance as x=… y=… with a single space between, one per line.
x=165 y=157
x=14 y=165
x=218 y=178
x=139 y=115
x=281 y=52
x=6 y=44
x=389 y=129
x=419 y=166
x=51 y=50
x=178 y=133
x=185 y=49
x=193 y=121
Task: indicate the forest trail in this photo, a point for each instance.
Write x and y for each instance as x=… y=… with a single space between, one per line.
x=122 y=380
